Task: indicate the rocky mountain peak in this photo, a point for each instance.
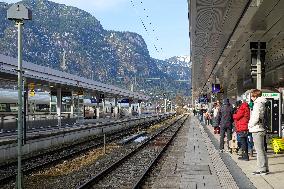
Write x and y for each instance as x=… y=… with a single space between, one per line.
x=89 y=49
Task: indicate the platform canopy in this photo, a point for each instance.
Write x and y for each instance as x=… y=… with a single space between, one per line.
x=52 y=79
x=221 y=32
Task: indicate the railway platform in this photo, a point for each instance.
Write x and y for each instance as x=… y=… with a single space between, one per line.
x=192 y=161
x=273 y=180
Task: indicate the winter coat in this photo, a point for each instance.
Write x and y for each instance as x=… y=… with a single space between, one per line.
x=241 y=118
x=215 y=117
x=257 y=114
x=225 y=117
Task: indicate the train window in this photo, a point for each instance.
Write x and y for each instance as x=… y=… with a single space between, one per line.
x=4 y=108
x=13 y=107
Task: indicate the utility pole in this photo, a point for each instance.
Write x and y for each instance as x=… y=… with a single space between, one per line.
x=19 y=13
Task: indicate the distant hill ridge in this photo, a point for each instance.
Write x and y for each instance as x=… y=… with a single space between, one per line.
x=110 y=55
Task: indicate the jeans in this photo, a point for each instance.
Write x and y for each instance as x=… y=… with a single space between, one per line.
x=262 y=161
x=244 y=143
x=201 y=118
x=250 y=142
x=239 y=141
x=207 y=121
x=224 y=130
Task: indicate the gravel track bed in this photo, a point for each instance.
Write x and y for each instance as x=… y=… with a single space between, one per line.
x=53 y=156
x=72 y=173
x=128 y=173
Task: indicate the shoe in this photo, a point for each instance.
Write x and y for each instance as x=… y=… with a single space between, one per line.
x=259 y=173
x=229 y=150
x=243 y=158
x=251 y=153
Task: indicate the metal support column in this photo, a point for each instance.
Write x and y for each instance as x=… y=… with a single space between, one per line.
x=72 y=105
x=104 y=106
x=165 y=106
x=139 y=108
x=98 y=107
x=115 y=108
x=130 y=108
x=58 y=106
x=20 y=105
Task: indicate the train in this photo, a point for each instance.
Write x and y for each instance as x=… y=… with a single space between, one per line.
x=41 y=101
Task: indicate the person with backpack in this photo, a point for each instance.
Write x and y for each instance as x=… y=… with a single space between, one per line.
x=241 y=118
x=226 y=124
x=256 y=127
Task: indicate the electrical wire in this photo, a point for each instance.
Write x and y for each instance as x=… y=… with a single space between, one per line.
x=147 y=28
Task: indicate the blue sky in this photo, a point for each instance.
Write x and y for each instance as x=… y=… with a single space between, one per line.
x=168 y=19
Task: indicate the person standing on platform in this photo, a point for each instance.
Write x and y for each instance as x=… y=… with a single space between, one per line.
x=250 y=139
x=225 y=120
x=207 y=117
x=257 y=129
x=215 y=111
x=194 y=111
x=241 y=118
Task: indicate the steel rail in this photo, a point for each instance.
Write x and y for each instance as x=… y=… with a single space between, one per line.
x=12 y=176
x=88 y=184
x=157 y=158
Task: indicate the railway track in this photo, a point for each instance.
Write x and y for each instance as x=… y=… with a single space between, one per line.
x=130 y=170
x=49 y=158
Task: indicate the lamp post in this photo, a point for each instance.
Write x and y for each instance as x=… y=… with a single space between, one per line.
x=19 y=13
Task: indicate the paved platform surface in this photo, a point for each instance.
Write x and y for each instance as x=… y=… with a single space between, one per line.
x=193 y=162
x=274 y=180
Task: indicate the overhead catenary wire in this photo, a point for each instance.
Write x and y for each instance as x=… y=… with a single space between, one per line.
x=154 y=30
x=149 y=28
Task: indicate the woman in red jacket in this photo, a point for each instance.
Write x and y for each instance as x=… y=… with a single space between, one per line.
x=241 y=118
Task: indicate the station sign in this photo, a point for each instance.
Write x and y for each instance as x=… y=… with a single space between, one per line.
x=32 y=89
x=126 y=100
x=216 y=88
x=93 y=100
x=32 y=92
x=275 y=96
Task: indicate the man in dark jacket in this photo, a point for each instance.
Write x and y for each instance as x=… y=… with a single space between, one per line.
x=226 y=123
x=241 y=118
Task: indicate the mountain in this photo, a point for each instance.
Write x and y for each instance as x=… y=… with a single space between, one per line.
x=179 y=68
x=112 y=57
